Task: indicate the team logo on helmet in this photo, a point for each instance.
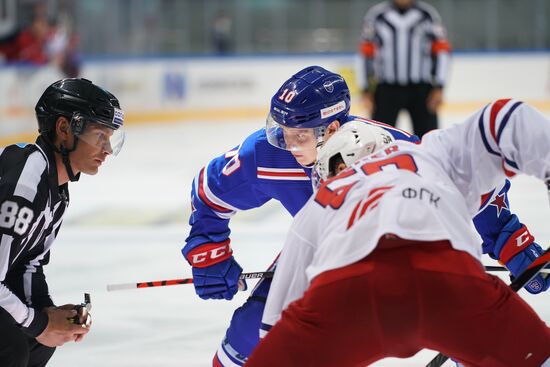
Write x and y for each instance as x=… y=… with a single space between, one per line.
x=328 y=86
x=118 y=117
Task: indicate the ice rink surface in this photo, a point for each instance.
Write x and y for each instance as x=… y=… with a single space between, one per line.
x=128 y=223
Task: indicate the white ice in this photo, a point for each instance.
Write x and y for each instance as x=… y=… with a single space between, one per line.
x=128 y=223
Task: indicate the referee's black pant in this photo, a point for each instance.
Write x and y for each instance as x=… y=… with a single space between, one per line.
x=389 y=99
x=17 y=349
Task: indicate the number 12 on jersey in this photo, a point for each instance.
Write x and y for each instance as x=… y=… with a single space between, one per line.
x=335 y=198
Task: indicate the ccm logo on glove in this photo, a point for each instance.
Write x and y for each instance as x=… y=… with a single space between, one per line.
x=524 y=238
x=209 y=254
x=521 y=239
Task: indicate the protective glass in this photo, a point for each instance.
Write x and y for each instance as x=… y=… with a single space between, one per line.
x=293 y=139
x=98 y=134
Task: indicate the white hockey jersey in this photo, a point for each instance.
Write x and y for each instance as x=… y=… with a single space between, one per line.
x=422 y=192
x=504 y=138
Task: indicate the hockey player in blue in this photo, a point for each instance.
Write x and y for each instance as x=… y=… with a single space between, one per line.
x=310 y=105
x=271 y=163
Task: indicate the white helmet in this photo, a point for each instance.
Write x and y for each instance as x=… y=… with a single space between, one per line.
x=354 y=140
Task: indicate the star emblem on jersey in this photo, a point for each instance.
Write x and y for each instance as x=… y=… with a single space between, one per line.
x=499 y=203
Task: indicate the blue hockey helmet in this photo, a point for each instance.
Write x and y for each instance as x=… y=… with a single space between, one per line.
x=304 y=106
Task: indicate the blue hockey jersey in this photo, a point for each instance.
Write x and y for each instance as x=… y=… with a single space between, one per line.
x=247 y=177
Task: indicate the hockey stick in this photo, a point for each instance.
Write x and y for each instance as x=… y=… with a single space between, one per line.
x=532 y=270
x=162 y=283
x=502 y=268
x=257 y=275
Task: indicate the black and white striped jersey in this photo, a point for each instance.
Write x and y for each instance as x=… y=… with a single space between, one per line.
x=403 y=47
x=32 y=205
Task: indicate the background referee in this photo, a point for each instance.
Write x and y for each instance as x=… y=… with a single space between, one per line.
x=404 y=61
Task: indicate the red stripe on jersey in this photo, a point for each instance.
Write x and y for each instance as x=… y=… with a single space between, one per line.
x=497 y=106
x=368 y=49
x=507 y=172
x=205 y=199
x=352 y=217
x=216 y=362
x=375 y=190
x=372 y=202
x=440 y=46
x=282 y=174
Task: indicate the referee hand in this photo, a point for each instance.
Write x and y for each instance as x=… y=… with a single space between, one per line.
x=60 y=330
x=435 y=99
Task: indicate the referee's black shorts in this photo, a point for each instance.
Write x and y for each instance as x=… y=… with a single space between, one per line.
x=389 y=99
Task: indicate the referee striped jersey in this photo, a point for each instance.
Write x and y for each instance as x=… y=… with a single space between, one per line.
x=403 y=46
x=32 y=205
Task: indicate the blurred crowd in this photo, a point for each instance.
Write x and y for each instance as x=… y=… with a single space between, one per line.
x=42 y=41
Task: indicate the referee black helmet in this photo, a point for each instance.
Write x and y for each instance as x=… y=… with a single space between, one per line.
x=70 y=96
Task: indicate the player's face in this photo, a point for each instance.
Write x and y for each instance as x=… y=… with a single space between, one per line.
x=302 y=144
x=299 y=139
x=339 y=168
x=92 y=149
x=307 y=142
x=305 y=157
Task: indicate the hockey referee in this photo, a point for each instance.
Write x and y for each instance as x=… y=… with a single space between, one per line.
x=79 y=125
x=404 y=62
